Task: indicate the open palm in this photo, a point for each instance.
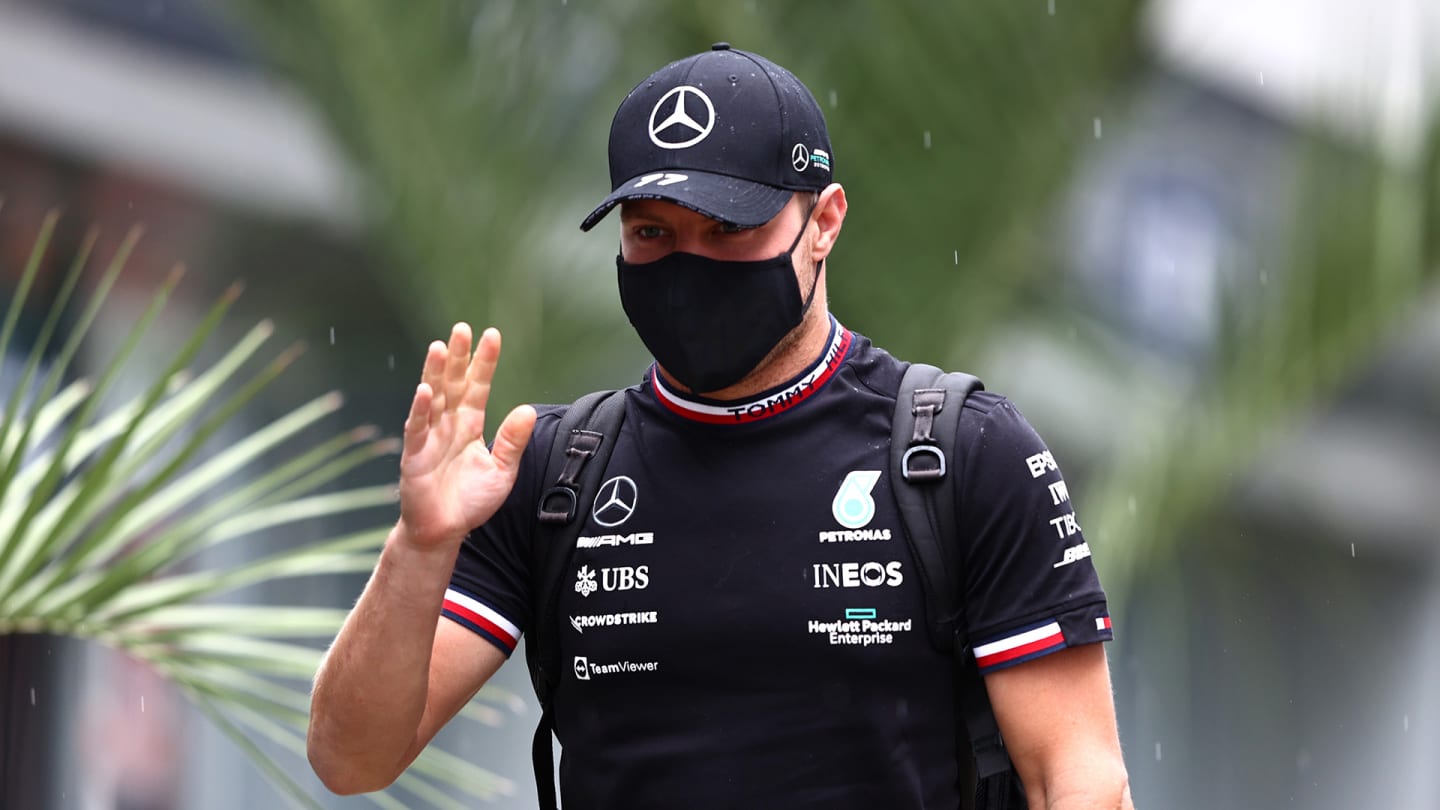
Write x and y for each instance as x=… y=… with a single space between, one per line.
x=450 y=482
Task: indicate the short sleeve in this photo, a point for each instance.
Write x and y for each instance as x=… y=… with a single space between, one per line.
x=1031 y=586
x=489 y=590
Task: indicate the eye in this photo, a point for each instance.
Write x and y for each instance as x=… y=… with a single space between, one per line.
x=649 y=231
x=730 y=227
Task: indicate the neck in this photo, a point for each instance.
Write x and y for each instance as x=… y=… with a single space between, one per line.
x=790 y=356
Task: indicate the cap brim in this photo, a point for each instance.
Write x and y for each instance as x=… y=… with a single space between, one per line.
x=729 y=199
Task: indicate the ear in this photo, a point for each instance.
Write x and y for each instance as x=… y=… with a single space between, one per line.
x=829 y=216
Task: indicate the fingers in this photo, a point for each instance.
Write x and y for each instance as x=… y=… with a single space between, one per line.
x=511 y=438
x=418 y=422
x=456 y=363
x=482 y=370
x=433 y=378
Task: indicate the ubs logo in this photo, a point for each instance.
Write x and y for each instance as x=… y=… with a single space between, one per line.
x=619 y=578
x=615 y=502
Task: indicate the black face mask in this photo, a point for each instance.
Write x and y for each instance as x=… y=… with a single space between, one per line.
x=710 y=322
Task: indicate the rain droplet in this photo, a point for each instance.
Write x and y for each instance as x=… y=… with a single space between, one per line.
x=1261 y=77
x=32 y=696
x=1352 y=551
x=927 y=139
x=834 y=99
x=1158 y=757
x=1407 y=722
x=390 y=361
x=332 y=336
x=142 y=704
x=957 y=258
x=1130 y=505
x=1264 y=277
x=1097 y=129
x=1052 y=8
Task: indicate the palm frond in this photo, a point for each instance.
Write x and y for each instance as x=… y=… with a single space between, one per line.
x=105 y=513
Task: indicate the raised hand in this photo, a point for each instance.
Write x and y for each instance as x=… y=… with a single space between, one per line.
x=449 y=481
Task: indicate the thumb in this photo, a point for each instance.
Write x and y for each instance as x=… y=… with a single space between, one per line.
x=511 y=438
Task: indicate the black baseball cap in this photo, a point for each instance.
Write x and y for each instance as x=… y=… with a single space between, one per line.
x=725 y=132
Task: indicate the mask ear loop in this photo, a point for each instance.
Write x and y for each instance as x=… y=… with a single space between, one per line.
x=819 y=266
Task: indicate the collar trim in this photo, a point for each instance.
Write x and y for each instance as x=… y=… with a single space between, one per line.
x=772 y=403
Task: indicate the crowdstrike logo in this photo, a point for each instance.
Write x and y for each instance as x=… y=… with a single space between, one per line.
x=615 y=501
x=673 y=121
x=614 y=619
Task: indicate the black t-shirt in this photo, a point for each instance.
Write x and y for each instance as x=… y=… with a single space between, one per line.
x=743 y=622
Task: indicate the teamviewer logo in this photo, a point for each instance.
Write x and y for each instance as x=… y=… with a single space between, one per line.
x=582 y=668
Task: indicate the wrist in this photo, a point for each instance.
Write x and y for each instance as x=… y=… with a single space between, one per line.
x=405 y=538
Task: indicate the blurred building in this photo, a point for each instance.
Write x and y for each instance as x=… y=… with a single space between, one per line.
x=1288 y=657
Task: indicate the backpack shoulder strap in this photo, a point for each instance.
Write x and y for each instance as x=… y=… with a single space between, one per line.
x=924 y=429
x=578 y=456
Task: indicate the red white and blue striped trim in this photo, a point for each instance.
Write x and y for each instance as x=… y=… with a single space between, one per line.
x=481 y=618
x=1024 y=644
x=776 y=402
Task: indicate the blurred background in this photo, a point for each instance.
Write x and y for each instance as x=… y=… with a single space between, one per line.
x=1197 y=243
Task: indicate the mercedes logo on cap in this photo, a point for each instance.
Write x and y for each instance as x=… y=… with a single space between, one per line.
x=615 y=501
x=799 y=157
x=671 y=124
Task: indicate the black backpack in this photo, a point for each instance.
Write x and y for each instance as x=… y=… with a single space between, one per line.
x=926 y=420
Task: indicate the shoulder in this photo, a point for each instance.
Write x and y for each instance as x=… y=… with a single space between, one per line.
x=550 y=417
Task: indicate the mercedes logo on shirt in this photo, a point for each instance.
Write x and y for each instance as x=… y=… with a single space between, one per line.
x=615 y=502
x=673 y=121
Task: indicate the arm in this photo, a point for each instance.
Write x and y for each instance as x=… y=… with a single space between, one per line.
x=1057 y=717
x=397 y=672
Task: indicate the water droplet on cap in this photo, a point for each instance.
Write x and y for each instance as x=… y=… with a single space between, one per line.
x=720 y=46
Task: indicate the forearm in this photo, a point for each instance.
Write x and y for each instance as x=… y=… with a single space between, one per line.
x=371 y=689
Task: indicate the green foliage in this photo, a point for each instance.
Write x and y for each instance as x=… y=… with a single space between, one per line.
x=105 y=515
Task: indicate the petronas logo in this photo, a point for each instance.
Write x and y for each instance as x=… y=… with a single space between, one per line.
x=853 y=507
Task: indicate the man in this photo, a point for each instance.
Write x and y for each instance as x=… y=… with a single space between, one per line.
x=745 y=621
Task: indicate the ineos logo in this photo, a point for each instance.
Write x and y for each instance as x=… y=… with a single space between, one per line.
x=677 y=114
x=615 y=501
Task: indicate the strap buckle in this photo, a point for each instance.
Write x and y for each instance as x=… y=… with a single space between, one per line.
x=558 y=505
x=923 y=462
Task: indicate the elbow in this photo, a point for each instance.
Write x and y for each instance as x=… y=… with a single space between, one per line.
x=346 y=776
x=1105 y=790
x=344 y=781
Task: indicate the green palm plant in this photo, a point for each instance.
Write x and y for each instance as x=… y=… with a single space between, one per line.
x=105 y=514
